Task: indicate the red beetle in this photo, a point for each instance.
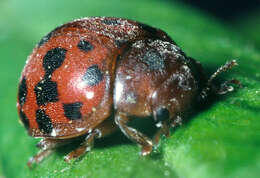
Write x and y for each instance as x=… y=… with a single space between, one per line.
x=84 y=70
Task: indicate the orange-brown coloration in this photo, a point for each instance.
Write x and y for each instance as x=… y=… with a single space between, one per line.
x=85 y=70
x=68 y=76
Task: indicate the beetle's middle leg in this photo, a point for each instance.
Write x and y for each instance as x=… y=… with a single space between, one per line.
x=105 y=128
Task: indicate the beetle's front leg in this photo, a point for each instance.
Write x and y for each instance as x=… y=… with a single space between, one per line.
x=121 y=120
x=163 y=130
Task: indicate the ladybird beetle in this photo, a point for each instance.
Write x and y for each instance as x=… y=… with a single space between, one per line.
x=85 y=70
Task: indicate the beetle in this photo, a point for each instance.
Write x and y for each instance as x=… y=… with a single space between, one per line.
x=85 y=70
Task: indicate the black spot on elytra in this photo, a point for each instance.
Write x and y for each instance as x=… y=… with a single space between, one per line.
x=111 y=22
x=44 y=121
x=22 y=92
x=46 y=91
x=53 y=59
x=147 y=28
x=45 y=39
x=85 y=45
x=93 y=75
x=24 y=119
x=72 y=110
x=162 y=114
x=153 y=60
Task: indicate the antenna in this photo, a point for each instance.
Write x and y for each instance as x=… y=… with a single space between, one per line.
x=224 y=87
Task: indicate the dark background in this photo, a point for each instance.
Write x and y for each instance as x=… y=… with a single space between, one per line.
x=226 y=10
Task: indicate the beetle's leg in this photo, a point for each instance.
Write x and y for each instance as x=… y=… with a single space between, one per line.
x=39 y=157
x=164 y=130
x=105 y=128
x=121 y=120
x=46 y=146
x=162 y=117
x=165 y=123
x=85 y=146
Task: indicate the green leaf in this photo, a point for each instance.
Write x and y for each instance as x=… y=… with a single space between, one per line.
x=221 y=140
x=249 y=27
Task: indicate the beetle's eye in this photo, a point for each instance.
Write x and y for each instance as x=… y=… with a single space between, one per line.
x=162 y=114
